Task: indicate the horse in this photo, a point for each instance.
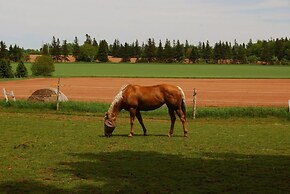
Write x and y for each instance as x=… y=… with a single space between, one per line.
x=136 y=98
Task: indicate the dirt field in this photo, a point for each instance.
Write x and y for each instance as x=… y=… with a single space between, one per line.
x=210 y=92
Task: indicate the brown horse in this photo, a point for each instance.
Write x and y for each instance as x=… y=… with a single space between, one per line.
x=135 y=98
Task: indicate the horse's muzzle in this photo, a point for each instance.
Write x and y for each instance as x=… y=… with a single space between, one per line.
x=108 y=130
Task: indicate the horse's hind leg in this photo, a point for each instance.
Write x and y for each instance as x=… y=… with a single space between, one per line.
x=182 y=117
x=132 y=118
x=139 y=117
x=173 y=118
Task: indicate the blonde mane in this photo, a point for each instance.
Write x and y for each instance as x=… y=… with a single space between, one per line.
x=117 y=99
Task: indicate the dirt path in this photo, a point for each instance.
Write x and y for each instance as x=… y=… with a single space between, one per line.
x=211 y=92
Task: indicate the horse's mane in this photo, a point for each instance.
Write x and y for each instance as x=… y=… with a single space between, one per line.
x=117 y=98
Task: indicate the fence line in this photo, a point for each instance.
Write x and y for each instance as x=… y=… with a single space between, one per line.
x=82 y=93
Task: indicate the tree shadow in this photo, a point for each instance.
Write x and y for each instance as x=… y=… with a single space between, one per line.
x=154 y=172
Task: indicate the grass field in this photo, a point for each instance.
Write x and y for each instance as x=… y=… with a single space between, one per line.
x=67 y=153
x=167 y=70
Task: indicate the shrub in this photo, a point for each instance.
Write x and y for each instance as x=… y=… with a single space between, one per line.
x=21 y=70
x=5 y=69
x=43 y=65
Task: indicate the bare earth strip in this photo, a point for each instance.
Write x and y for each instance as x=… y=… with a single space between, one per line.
x=210 y=92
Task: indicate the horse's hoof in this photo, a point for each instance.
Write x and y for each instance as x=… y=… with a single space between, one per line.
x=168 y=135
x=130 y=135
x=185 y=135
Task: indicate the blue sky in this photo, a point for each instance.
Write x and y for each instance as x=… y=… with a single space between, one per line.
x=31 y=23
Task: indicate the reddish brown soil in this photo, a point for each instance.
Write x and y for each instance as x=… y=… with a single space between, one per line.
x=210 y=92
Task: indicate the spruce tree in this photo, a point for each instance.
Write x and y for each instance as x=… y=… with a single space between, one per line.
x=21 y=70
x=3 y=51
x=168 y=52
x=76 y=49
x=102 y=55
x=64 y=51
x=5 y=69
x=193 y=57
x=160 y=52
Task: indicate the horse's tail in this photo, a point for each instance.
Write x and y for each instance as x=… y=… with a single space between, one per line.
x=183 y=104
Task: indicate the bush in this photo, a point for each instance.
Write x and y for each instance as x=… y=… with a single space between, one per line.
x=284 y=61
x=21 y=70
x=43 y=65
x=5 y=69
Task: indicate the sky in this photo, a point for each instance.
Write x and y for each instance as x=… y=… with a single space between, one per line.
x=31 y=23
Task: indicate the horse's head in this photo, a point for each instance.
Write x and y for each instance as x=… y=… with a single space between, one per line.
x=109 y=124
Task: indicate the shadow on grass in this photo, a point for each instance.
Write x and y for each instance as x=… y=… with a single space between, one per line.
x=153 y=172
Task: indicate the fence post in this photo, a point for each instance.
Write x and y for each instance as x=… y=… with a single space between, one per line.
x=194 y=104
x=5 y=95
x=57 y=95
x=12 y=95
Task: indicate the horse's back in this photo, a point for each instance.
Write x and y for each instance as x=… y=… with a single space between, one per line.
x=152 y=97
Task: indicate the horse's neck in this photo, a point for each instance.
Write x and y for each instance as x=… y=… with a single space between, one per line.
x=114 y=109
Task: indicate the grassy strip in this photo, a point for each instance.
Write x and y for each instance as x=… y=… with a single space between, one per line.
x=72 y=107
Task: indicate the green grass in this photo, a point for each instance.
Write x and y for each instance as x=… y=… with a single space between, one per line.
x=99 y=109
x=49 y=152
x=167 y=70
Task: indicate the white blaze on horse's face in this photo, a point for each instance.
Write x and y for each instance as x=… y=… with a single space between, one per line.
x=109 y=125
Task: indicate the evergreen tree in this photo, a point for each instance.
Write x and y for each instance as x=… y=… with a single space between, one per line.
x=88 y=39
x=168 y=52
x=193 y=57
x=125 y=52
x=3 y=51
x=115 y=51
x=95 y=43
x=150 y=49
x=21 y=70
x=160 y=52
x=137 y=50
x=55 y=49
x=76 y=49
x=64 y=51
x=179 y=52
x=187 y=50
x=207 y=52
x=15 y=53
x=5 y=69
x=45 y=49
x=102 y=55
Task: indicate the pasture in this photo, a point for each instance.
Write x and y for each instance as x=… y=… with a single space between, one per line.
x=228 y=150
x=66 y=152
x=167 y=70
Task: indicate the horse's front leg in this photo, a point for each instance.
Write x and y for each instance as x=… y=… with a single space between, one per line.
x=132 y=118
x=139 y=117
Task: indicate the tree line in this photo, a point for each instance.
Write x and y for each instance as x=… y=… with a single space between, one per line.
x=273 y=51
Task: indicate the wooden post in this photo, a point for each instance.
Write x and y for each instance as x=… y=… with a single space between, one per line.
x=194 y=104
x=57 y=97
x=12 y=95
x=5 y=95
